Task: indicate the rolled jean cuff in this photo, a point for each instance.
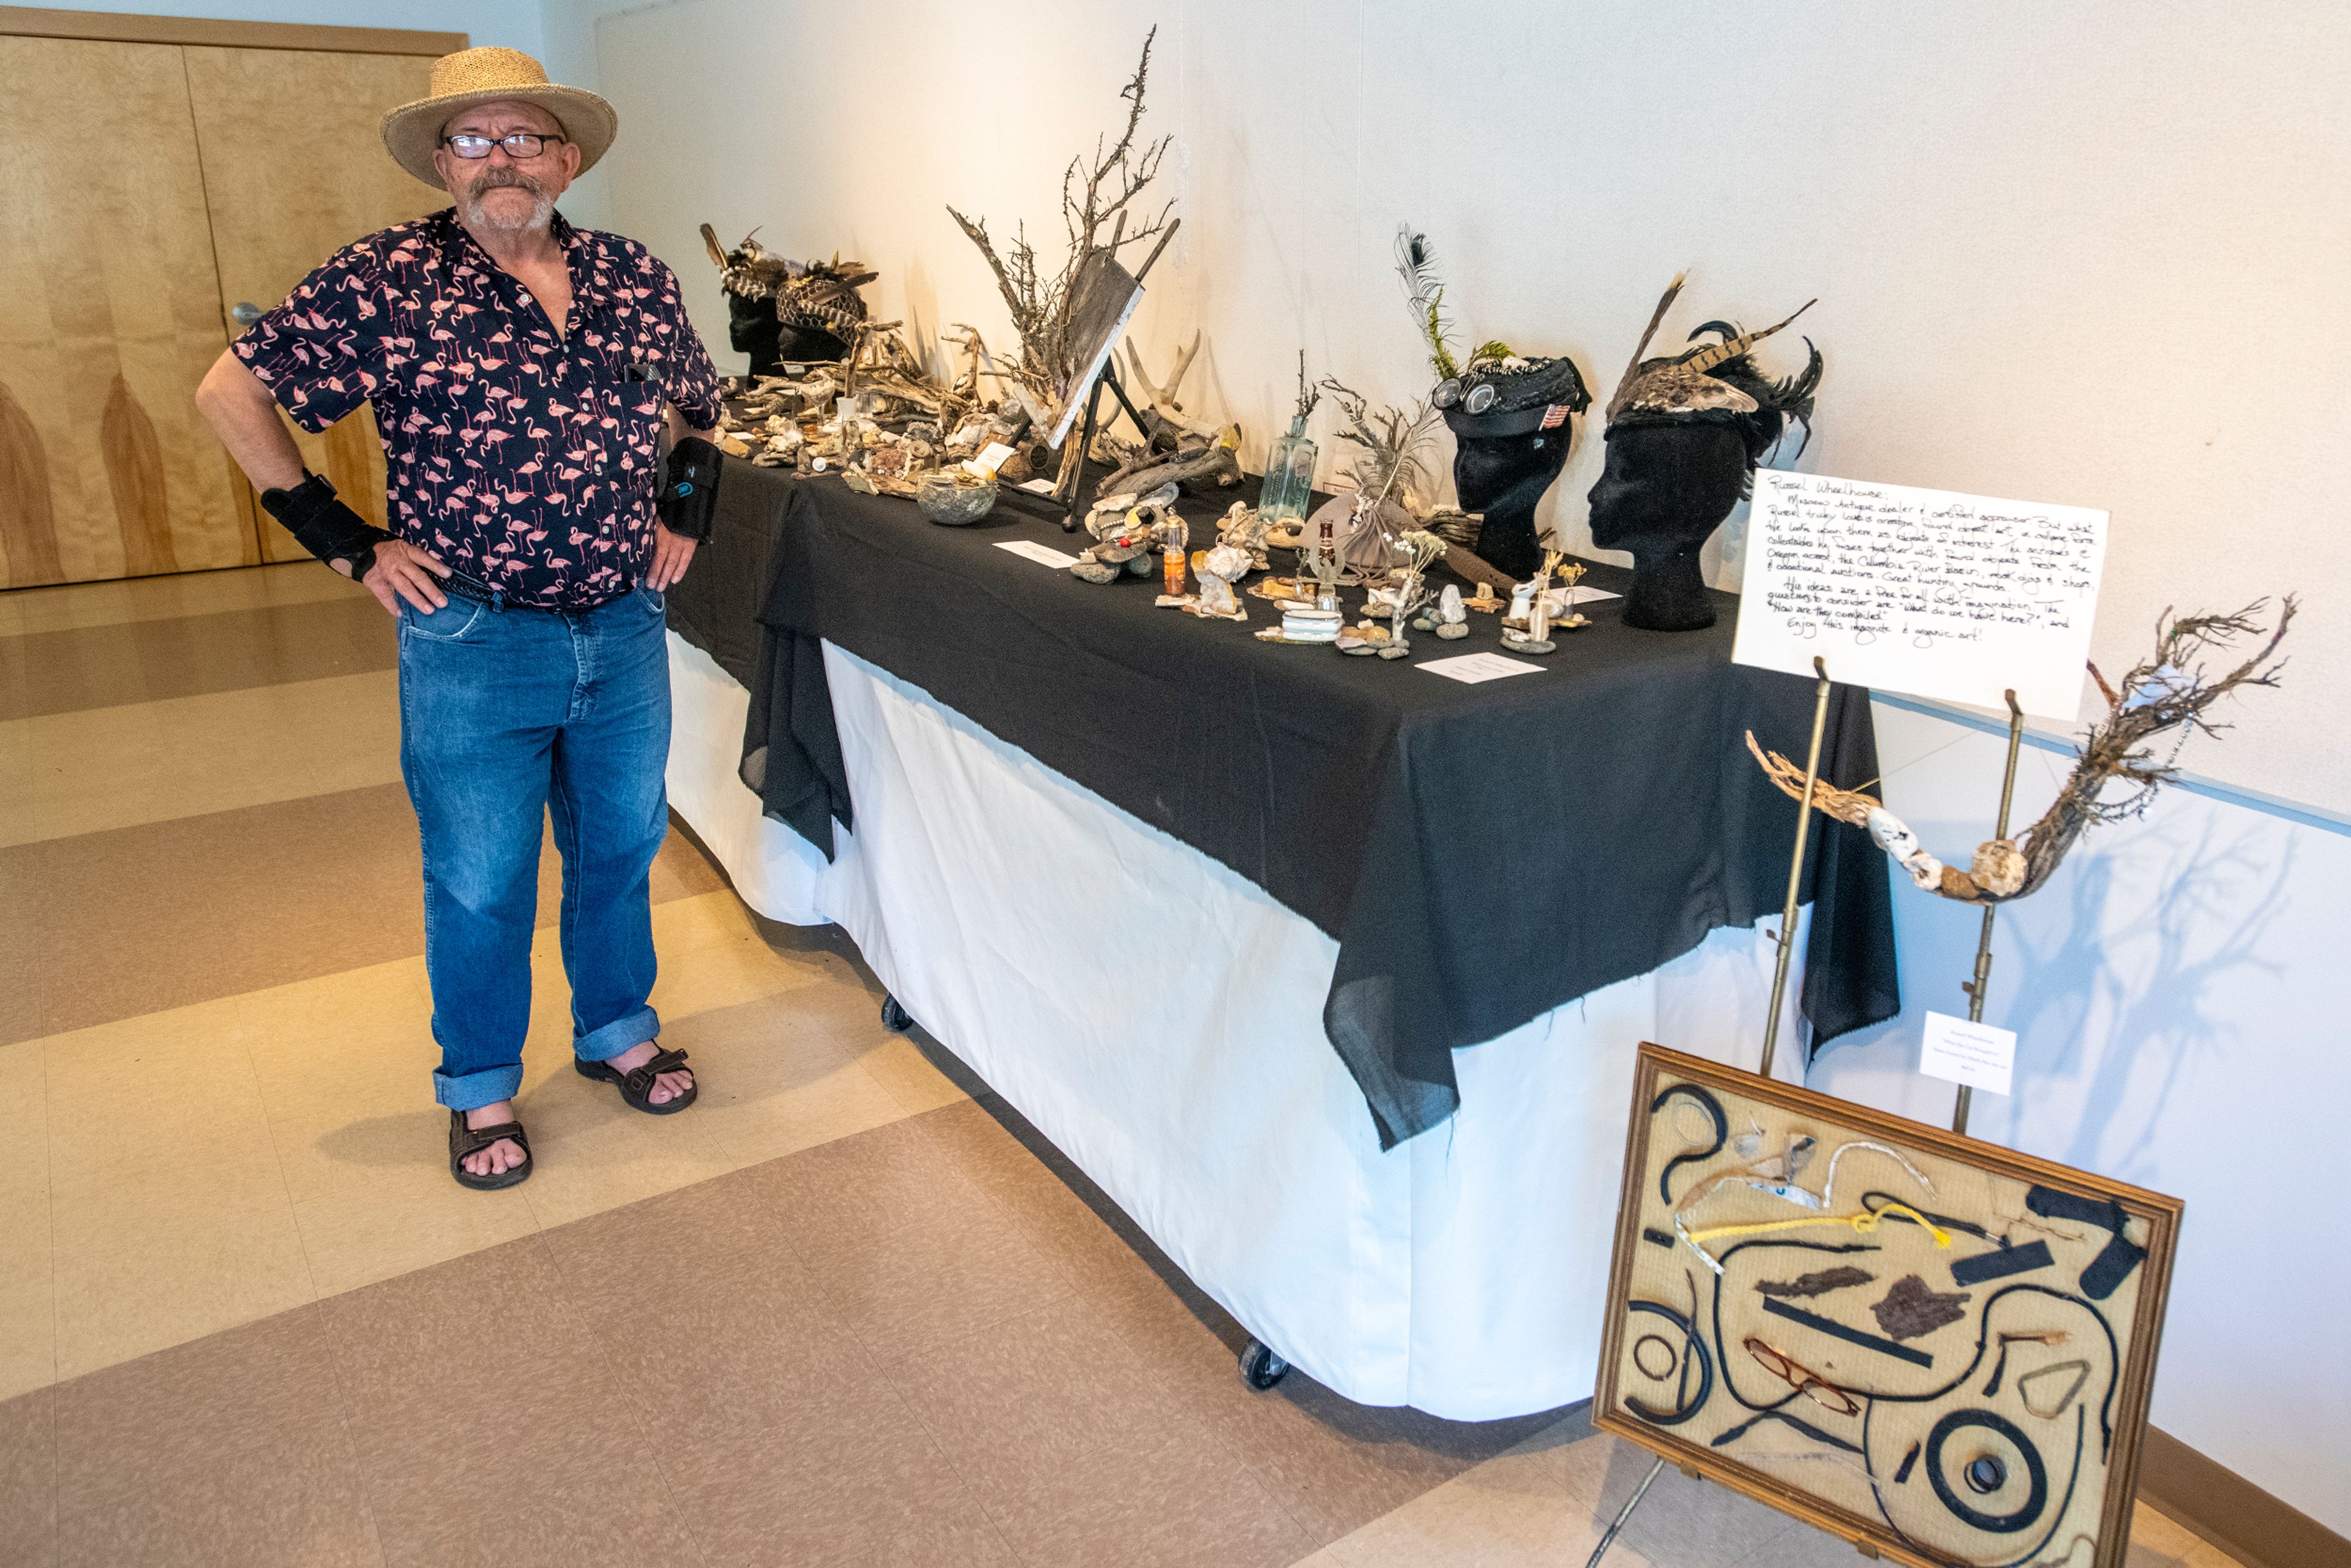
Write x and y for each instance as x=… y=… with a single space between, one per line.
x=475 y=1089
x=603 y=1044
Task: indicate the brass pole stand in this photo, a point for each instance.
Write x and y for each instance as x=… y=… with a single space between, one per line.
x=1796 y=871
x=1771 y=1021
x=1975 y=987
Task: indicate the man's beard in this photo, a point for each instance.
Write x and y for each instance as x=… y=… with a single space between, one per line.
x=542 y=207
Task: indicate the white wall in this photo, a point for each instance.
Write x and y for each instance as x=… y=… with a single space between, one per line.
x=2077 y=252
x=2180 y=1028
x=2068 y=252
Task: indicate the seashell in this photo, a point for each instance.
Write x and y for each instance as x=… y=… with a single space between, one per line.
x=1998 y=867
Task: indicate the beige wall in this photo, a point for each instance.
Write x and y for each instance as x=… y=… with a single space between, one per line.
x=2090 y=254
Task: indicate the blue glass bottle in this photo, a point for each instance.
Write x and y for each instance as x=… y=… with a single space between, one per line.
x=1288 y=477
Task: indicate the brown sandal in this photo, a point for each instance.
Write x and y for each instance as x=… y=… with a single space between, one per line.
x=637 y=1084
x=465 y=1140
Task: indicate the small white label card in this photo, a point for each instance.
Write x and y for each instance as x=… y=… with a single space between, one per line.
x=1035 y=487
x=1044 y=555
x=1924 y=592
x=992 y=457
x=1471 y=668
x=1975 y=1054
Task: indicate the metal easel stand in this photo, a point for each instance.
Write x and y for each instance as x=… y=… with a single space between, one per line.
x=1975 y=987
x=1770 y=1021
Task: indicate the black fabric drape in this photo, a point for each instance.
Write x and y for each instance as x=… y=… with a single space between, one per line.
x=1481 y=853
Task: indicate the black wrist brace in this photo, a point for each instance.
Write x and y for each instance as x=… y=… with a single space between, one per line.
x=323 y=525
x=689 y=498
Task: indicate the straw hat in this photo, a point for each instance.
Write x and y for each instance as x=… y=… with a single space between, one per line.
x=487 y=75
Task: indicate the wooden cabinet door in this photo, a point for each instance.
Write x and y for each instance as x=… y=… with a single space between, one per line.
x=294 y=171
x=109 y=318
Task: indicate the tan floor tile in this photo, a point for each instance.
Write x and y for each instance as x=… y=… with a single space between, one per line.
x=898 y=1064
x=910 y=1253
x=229 y=902
x=2157 y=1541
x=120 y=1297
x=151 y=762
x=774 y=1083
x=780 y=1437
x=24 y=612
x=592 y=1153
x=488 y=1429
x=29 y=1321
x=28 y=1473
x=1073 y=1447
x=403 y=1220
x=231 y=1450
x=1512 y=1511
x=149 y=661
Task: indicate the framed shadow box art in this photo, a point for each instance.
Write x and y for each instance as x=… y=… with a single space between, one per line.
x=1936 y=1349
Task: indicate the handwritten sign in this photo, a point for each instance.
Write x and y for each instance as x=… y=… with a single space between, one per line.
x=1923 y=592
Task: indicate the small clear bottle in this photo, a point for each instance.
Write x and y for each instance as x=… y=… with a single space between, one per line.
x=1288 y=477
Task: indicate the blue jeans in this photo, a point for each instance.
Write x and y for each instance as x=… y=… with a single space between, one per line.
x=505 y=713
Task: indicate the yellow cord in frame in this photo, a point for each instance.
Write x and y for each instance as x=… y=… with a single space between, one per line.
x=1862 y=1223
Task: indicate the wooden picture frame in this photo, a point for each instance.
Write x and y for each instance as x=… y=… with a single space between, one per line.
x=1785 y=1390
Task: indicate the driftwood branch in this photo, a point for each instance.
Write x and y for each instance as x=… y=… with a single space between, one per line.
x=2165 y=692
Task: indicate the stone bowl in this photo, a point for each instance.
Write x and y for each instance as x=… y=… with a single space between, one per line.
x=946 y=502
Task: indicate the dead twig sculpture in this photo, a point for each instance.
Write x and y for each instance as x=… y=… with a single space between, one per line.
x=1099 y=199
x=2164 y=692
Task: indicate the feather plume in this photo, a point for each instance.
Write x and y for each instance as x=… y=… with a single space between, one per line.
x=1706 y=359
x=1633 y=370
x=1416 y=264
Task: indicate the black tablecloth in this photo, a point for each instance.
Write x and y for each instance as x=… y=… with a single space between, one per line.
x=1482 y=853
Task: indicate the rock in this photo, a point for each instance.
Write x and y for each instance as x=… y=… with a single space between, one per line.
x=1452 y=629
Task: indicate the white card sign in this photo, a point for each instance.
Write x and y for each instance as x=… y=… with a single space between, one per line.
x=1471 y=669
x=1043 y=555
x=1924 y=592
x=1975 y=1054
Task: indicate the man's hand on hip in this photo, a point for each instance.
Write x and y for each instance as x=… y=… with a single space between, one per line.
x=672 y=553
x=403 y=571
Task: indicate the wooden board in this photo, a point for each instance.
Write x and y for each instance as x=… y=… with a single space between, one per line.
x=294 y=170
x=42 y=22
x=1936 y=1349
x=109 y=318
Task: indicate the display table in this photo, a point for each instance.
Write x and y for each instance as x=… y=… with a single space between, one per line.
x=1160 y=1015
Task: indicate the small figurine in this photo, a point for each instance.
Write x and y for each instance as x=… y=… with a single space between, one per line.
x=1216 y=568
x=1535 y=638
x=1446 y=617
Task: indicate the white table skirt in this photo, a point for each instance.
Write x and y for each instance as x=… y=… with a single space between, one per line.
x=1022 y=918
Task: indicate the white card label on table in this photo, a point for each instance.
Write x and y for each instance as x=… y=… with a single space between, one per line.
x=1975 y=1054
x=1044 y=555
x=1035 y=487
x=1591 y=595
x=1471 y=668
x=1924 y=592
x=992 y=457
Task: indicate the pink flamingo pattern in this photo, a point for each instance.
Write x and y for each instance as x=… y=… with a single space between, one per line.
x=525 y=458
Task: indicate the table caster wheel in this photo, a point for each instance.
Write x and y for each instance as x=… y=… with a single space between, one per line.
x=1260 y=1368
x=895 y=1018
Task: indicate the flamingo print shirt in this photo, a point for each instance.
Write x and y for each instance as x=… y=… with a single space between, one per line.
x=524 y=459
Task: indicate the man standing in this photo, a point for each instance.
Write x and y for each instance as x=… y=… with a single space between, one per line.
x=523 y=373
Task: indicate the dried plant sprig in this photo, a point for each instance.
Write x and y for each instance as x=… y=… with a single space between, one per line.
x=2164 y=692
x=1389 y=442
x=1098 y=199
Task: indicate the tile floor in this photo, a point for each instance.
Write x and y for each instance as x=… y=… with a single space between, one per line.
x=851 y=1309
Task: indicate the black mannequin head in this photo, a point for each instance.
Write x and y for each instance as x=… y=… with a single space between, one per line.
x=1683 y=438
x=1667 y=485
x=1507 y=452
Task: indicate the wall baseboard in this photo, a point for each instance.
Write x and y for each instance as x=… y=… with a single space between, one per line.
x=2230 y=1512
